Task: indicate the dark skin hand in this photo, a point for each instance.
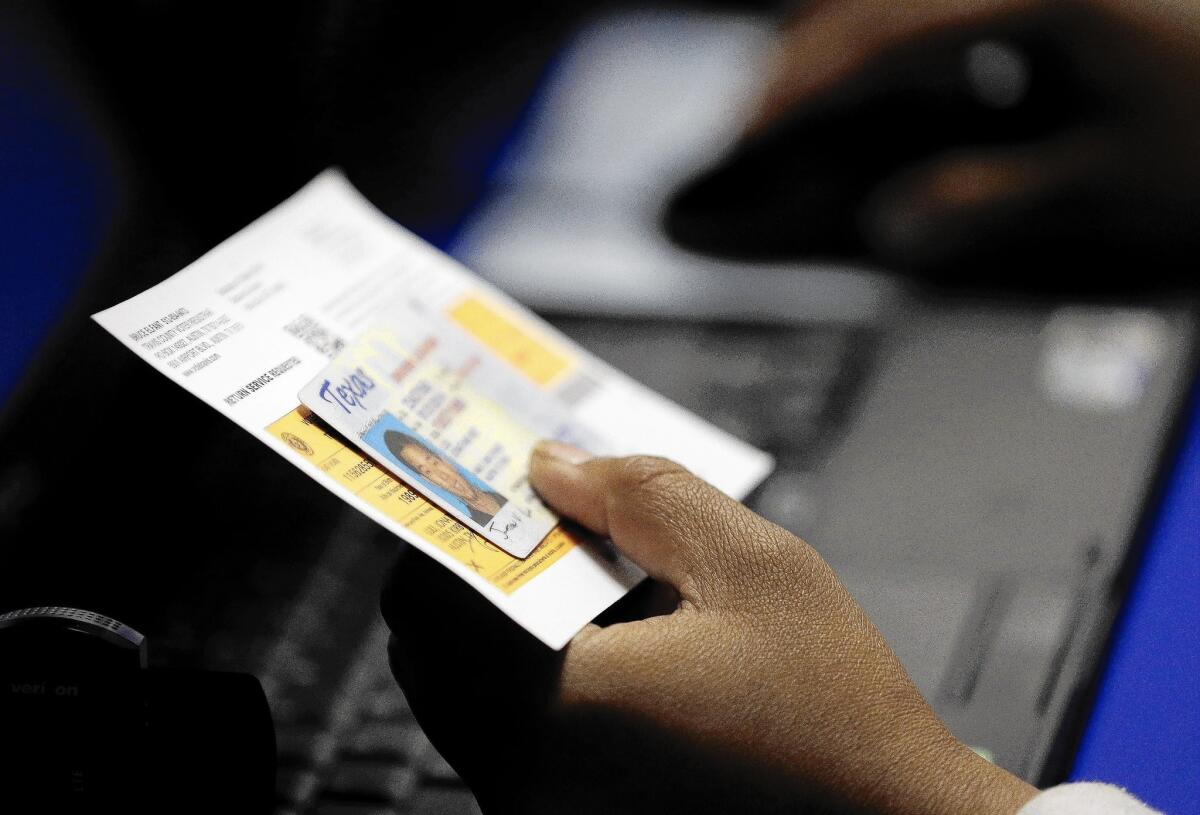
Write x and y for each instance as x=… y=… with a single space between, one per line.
x=755 y=683
x=758 y=685
x=1122 y=171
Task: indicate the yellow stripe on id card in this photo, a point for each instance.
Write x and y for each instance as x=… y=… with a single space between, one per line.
x=511 y=342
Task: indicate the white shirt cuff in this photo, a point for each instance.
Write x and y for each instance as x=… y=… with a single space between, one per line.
x=1086 y=798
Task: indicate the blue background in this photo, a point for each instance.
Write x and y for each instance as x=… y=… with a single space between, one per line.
x=57 y=200
x=1144 y=731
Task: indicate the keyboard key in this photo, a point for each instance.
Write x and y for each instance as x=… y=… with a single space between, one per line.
x=385 y=700
x=444 y=801
x=398 y=742
x=295 y=786
x=437 y=770
x=351 y=808
x=379 y=781
x=303 y=745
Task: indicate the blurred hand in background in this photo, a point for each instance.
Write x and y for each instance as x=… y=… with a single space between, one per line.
x=1122 y=168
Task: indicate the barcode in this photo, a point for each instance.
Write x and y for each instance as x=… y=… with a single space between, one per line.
x=315 y=336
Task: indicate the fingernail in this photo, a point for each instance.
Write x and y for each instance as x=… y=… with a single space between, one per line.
x=565 y=453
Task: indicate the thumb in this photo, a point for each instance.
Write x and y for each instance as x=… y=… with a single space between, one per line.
x=674 y=525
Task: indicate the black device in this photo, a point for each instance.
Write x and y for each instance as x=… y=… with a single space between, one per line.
x=796 y=188
x=87 y=727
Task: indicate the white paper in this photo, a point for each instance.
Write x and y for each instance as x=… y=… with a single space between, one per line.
x=255 y=319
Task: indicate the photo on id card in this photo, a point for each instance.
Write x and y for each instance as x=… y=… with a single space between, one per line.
x=422 y=462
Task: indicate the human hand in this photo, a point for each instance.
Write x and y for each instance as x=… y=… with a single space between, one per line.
x=1118 y=170
x=764 y=681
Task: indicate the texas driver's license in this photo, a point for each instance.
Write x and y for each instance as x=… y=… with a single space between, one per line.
x=424 y=396
x=424 y=389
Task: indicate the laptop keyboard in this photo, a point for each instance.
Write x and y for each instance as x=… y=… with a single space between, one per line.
x=346 y=740
x=788 y=390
